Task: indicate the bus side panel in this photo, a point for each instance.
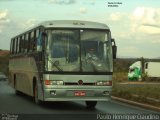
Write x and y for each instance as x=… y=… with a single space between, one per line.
x=11 y=78
x=22 y=72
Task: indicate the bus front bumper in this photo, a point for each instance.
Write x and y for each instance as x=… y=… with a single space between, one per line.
x=77 y=94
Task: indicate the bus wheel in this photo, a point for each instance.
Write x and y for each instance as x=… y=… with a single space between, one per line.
x=91 y=104
x=17 y=92
x=36 y=100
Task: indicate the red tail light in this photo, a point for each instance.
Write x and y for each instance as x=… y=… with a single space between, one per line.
x=47 y=82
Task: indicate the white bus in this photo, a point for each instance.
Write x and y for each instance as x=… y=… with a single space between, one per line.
x=63 y=60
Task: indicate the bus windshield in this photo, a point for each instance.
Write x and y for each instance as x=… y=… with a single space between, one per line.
x=78 y=51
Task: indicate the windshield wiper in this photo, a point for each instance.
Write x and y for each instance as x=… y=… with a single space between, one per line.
x=55 y=64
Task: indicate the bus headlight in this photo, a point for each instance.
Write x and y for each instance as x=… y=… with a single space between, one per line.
x=54 y=82
x=104 y=83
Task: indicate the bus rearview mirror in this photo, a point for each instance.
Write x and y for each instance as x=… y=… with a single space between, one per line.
x=114 y=48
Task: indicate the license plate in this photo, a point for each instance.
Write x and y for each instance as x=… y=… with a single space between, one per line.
x=79 y=93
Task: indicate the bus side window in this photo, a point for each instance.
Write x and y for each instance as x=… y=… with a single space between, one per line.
x=37 y=33
x=29 y=42
x=11 y=46
x=34 y=40
x=36 y=37
x=26 y=43
x=15 y=45
x=18 y=46
x=13 y=42
x=22 y=43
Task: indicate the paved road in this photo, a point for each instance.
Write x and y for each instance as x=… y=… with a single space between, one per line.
x=25 y=107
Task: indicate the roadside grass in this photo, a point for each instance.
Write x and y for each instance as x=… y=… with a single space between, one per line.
x=120 y=77
x=4 y=64
x=145 y=93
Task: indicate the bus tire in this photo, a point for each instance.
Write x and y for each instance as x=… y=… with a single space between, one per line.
x=91 y=104
x=36 y=100
x=17 y=92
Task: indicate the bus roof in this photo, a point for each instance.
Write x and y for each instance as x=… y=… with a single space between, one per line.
x=68 y=24
x=73 y=24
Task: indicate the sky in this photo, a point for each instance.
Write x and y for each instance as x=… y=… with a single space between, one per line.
x=135 y=25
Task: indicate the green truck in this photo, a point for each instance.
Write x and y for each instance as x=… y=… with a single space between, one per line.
x=149 y=69
x=135 y=71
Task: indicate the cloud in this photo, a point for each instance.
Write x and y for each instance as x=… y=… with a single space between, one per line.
x=7 y=31
x=83 y=10
x=149 y=29
x=4 y=20
x=137 y=33
x=29 y=23
x=147 y=15
x=117 y=16
x=4 y=17
x=146 y=20
x=158 y=26
x=6 y=0
x=62 y=1
x=89 y=2
x=130 y=50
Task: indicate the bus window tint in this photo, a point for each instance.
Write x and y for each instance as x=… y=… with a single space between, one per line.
x=18 y=45
x=26 y=43
x=64 y=48
x=94 y=53
x=15 y=45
